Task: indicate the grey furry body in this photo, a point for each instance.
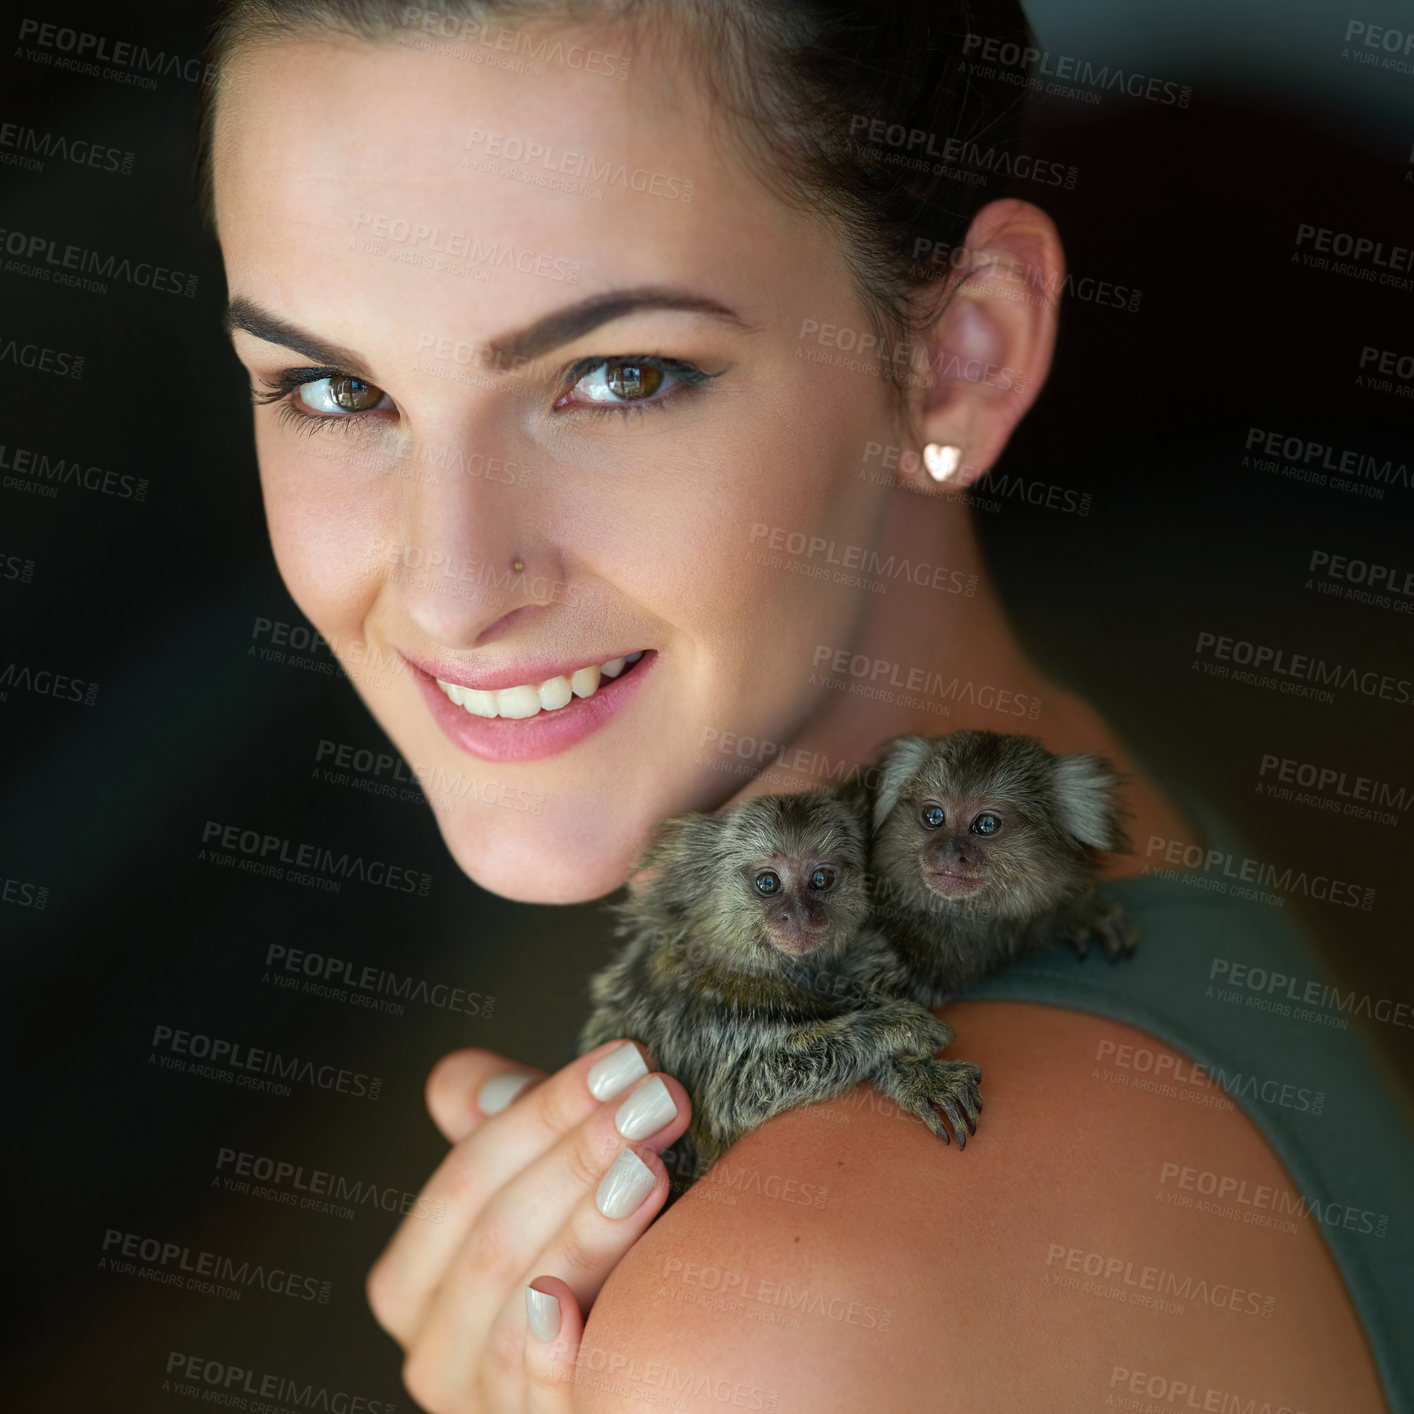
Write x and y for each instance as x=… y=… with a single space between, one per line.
x=708 y=980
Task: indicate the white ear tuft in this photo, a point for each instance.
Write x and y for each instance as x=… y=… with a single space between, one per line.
x=897 y=765
x=1085 y=803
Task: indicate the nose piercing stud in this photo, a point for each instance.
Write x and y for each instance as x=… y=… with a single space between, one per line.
x=517 y=566
x=942 y=461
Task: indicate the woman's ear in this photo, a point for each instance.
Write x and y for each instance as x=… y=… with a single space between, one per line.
x=988 y=353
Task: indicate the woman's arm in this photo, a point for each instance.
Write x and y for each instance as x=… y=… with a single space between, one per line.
x=841 y=1258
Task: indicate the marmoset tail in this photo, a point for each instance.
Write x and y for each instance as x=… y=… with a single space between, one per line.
x=984 y=848
x=751 y=976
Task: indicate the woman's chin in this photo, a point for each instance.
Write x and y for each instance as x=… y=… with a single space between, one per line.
x=527 y=859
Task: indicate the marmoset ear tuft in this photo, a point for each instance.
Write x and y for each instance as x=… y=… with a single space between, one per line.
x=898 y=764
x=1087 y=802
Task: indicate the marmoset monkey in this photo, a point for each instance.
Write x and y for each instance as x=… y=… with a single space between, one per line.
x=753 y=978
x=983 y=850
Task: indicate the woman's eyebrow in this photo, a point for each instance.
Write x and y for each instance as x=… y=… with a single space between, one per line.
x=512 y=349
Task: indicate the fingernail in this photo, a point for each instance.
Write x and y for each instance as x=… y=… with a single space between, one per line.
x=500 y=1090
x=646 y=1111
x=616 y=1071
x=543 y=1312
x=625 y=1186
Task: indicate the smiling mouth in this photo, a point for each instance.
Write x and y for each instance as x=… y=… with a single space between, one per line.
x=531 y=699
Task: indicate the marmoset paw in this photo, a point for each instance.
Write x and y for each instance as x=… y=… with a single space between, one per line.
x=1102 y=921
x=927 y=1087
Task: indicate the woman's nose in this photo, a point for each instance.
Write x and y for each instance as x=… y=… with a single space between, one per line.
x=473 y=554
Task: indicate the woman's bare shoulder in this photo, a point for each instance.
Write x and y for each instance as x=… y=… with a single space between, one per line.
x=1075 y=1256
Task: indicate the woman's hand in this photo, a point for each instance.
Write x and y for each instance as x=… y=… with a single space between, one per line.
x=548 y=1183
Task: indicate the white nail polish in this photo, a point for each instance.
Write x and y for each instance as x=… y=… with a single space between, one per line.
x=616 y=1072
x=625 y=1186
x=543 y=1312
x=646 y=1111
x=500 y=1090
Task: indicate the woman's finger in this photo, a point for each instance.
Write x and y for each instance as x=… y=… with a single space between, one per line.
x=466 y=1087
x=528 y=1217
x=554 y=1327
x=410 y=1269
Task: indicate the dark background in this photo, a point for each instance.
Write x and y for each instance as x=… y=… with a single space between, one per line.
x=156 y=601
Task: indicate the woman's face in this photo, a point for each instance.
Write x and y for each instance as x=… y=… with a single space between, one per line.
x=548 y=404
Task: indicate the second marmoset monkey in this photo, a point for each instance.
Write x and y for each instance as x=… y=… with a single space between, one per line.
x=984 y=849
x=751 y=974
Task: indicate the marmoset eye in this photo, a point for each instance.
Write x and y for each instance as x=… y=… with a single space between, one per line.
x=987 y=824
x=768 y=882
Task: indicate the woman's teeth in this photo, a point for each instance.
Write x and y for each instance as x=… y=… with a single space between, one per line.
x=548 y=696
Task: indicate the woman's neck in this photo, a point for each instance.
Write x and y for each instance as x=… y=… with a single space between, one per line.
x=936 y=653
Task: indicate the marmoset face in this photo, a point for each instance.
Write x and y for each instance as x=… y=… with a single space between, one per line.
x=982 y=820
x=539 y=409
x=798 y=875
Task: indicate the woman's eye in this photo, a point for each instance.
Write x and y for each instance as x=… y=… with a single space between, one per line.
x=339 y=396
x=622 y=383
x=987 y=824
x=933 y=816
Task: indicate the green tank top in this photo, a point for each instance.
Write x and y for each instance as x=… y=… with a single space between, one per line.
x=1231 y=982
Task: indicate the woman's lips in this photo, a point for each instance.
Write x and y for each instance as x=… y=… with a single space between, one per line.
x=532 y=738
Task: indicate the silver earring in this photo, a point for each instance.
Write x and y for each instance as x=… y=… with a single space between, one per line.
x=942 y=461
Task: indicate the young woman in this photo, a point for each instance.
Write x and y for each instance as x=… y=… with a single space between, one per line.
x=618 y=365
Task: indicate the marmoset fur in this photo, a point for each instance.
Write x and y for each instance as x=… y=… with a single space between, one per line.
x=983 y=849
x=752 y=976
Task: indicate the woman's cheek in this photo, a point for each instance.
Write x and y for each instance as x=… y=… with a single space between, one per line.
x=322 y=532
